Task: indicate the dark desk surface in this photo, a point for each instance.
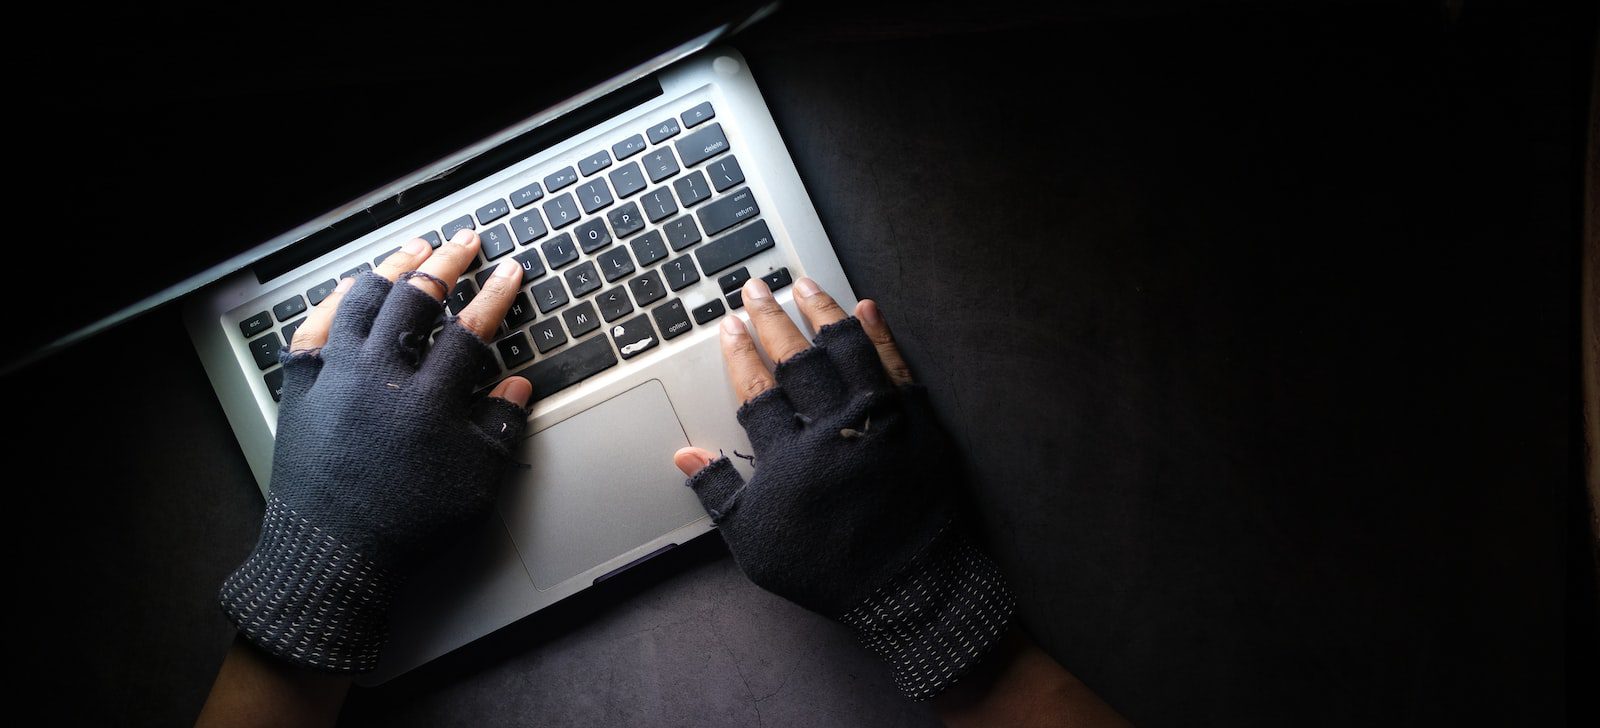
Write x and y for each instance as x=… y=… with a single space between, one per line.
x=1257 y=329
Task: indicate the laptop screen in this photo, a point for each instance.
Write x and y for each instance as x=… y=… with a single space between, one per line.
x=163 y=143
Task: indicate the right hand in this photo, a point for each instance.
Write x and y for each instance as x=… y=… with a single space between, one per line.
x=850 y=510
x=852 y=473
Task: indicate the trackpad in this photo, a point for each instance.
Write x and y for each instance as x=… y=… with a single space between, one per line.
x=602 y=483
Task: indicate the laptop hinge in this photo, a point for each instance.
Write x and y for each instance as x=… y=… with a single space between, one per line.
x=440 y=186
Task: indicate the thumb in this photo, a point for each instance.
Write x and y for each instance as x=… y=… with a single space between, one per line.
x=691 y=459
x=501 y=415
x=715 y=481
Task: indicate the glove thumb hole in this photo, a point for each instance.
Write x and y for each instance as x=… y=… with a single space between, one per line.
x=718 y=485
x=501 y=420
x=691 y=460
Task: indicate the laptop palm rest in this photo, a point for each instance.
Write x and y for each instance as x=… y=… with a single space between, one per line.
x=602 y=484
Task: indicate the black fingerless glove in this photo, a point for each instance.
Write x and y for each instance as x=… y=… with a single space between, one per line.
x=849 y=513
x=381 y=456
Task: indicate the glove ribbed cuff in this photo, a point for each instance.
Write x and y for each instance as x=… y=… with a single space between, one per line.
x=306 y=598
x=936 y=619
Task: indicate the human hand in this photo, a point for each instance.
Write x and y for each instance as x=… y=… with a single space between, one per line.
x=850 y=510
x=383 y=452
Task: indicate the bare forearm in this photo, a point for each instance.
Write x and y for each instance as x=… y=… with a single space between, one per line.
x=253 y=689
x=1022 y=686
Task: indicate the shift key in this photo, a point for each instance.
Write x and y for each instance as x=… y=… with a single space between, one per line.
x=734 y=247
x=733 y=208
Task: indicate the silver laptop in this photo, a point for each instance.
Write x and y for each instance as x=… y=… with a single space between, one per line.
x=635 y=231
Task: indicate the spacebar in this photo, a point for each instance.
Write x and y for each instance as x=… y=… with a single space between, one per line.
x=569 y=367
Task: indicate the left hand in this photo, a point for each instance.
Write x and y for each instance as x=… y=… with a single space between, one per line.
x=382 y=453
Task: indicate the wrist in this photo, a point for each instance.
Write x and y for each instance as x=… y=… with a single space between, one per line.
x=308 y=599
x=938 y=618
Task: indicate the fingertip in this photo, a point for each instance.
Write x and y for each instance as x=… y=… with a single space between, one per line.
x=508 y=269
x=515 y=390
x=754 y=290
x=819 y=308
x=691 y=460
x=867 y=311
x=416 y=247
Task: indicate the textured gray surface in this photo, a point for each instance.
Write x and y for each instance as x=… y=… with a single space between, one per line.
x=1270 y=417
x=691 y=643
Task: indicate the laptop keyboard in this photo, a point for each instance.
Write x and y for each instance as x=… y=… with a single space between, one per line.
x=604 y=246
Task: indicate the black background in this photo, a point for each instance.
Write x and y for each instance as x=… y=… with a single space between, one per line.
x=1257 y=325
x=194 y=133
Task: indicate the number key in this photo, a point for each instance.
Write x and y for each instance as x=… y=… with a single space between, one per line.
x=528 y=227
x=561 y=211
x=594 y=195
x=496 y=242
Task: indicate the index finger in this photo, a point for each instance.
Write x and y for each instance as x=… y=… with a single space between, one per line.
x=489 y=305
x=447 y=264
